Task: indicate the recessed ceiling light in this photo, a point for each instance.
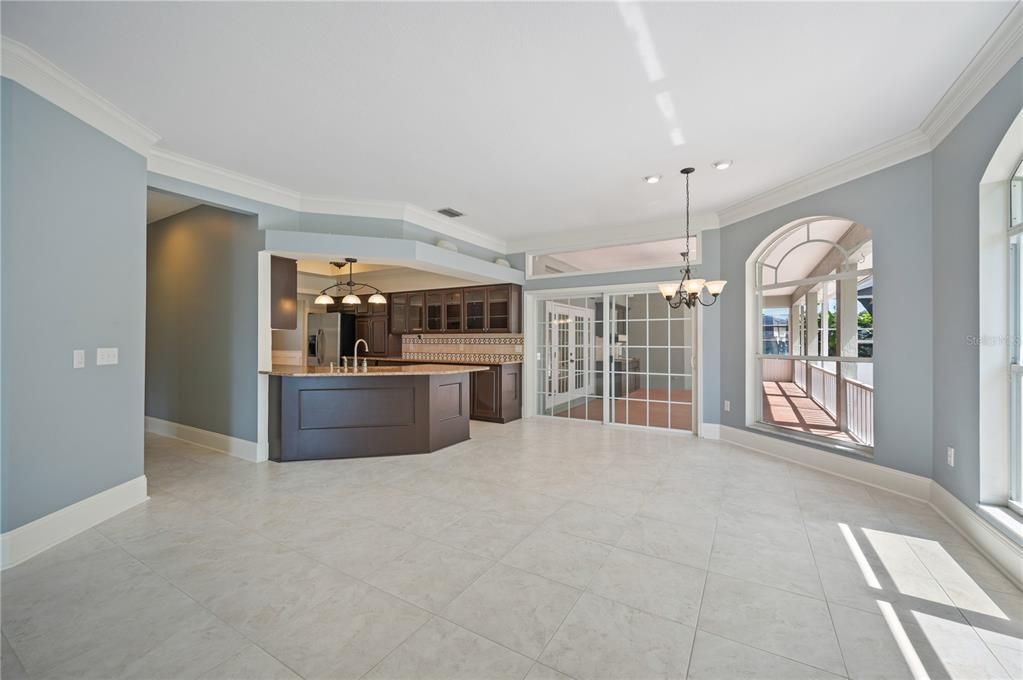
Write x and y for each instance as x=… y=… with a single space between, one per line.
x=652 y=179
x=722 y=165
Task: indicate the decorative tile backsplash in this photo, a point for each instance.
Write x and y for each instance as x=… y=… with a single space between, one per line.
x=472 y=348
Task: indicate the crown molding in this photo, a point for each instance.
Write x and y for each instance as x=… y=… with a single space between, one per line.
x=902 y=148
x=553 y=242
x=999 y=54
x=31 y=70
x=164 y=162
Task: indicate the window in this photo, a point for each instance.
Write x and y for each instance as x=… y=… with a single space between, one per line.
x=775 y=327
x=1015 y=355
x=814 y=351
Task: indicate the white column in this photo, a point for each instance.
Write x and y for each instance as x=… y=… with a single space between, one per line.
x=847 y=322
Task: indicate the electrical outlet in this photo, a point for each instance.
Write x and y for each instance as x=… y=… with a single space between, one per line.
x=728 y=406
x=106 y=356
x=78 y=358
x=951 y=454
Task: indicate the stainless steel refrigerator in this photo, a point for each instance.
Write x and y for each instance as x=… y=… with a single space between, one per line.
x=331 y=336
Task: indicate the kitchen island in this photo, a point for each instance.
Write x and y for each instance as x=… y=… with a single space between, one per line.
x=381 y=411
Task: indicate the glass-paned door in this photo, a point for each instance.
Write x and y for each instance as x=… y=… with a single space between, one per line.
x=570 y=343
x=623 y=358
x=651 y=362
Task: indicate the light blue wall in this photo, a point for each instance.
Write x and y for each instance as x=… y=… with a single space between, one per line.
x=202 y=320
x=958 y=164
x=74 y=244
x=895 y=204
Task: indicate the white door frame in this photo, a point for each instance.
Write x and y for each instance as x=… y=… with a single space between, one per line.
x=575 y=316
x=533 y=361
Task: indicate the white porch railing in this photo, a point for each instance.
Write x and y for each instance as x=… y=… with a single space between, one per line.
x=859 y=411
x=824 y=389
x=822 y=386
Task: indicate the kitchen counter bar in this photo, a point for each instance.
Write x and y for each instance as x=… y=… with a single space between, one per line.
x=374 y=371
x=392 y=410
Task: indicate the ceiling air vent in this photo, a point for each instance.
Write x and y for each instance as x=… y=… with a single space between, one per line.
x=450 y=212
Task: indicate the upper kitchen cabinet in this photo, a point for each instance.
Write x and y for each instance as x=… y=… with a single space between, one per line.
x=283 y=293
x=434 y=312
x=453 y=312
x=399 y=312
x=475 y=310
x=493 y=309
x=480 y=309
x=415 y=312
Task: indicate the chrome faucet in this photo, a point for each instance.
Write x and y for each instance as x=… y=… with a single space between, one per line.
x=366 y=345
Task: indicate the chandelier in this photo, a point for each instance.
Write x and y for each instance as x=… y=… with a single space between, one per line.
x=350 y=298
x=687 y=292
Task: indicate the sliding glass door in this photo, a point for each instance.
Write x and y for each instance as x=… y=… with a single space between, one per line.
x=622 y=358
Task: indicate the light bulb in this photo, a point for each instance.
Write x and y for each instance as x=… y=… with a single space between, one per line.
x=377 y=299
x=715 y=287
x=351 y=299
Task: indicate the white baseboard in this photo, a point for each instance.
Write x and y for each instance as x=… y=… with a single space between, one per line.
x=28 y=540
x=239 y=448
x=710 y=430
x=862 y=471
x=998 y=548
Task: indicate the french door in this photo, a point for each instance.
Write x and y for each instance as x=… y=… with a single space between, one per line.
x=569 y=342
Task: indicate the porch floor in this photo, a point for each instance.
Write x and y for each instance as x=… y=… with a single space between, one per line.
x=787 y=405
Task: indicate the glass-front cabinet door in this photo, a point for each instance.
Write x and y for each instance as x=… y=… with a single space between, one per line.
x=434 y=312
x=399 y=310
x=415 y=312
x=453 y=311
x=475 y=310
x=499 y=309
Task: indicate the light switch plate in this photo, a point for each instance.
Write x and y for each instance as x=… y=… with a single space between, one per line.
x=950 y=453
x=728 y=405
x=106 y=356
x=78 y=358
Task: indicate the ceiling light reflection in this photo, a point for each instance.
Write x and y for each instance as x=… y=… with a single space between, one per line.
x=635 y=22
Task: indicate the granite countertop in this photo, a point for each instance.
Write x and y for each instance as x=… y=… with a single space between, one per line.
x=372 y=371
x=448 y=361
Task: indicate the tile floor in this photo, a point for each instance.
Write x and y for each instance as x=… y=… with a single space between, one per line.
x=541 y=549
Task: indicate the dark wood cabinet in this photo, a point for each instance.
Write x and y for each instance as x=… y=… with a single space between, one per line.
x=399 y=310
x=453 y=313
x=434 y=312
x=495 y=394
x=479 y=309
x=493 y=309
x=416 y=311
x=283 y=293
x=378 y=335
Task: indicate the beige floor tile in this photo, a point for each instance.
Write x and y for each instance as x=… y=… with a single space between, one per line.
x=517 y=609
x=604 y=639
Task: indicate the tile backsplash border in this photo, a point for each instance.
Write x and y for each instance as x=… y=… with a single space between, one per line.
x=467 y=347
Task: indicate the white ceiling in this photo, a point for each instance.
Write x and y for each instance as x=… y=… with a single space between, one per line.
x=531 y=118
x=160 y=205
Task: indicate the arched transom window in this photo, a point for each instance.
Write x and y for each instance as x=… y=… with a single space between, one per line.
x=815 y=332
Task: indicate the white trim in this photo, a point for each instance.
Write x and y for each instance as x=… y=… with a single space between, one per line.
x=550 y=242
x=858 y=470
x=264 y=356
x=170 y=164
x=31 y=70
x=977 y=530
x=1001 y=51
x=710 y=431
x=28 y=540
x=232 y=446
x=991 y=542
x=892 y=152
